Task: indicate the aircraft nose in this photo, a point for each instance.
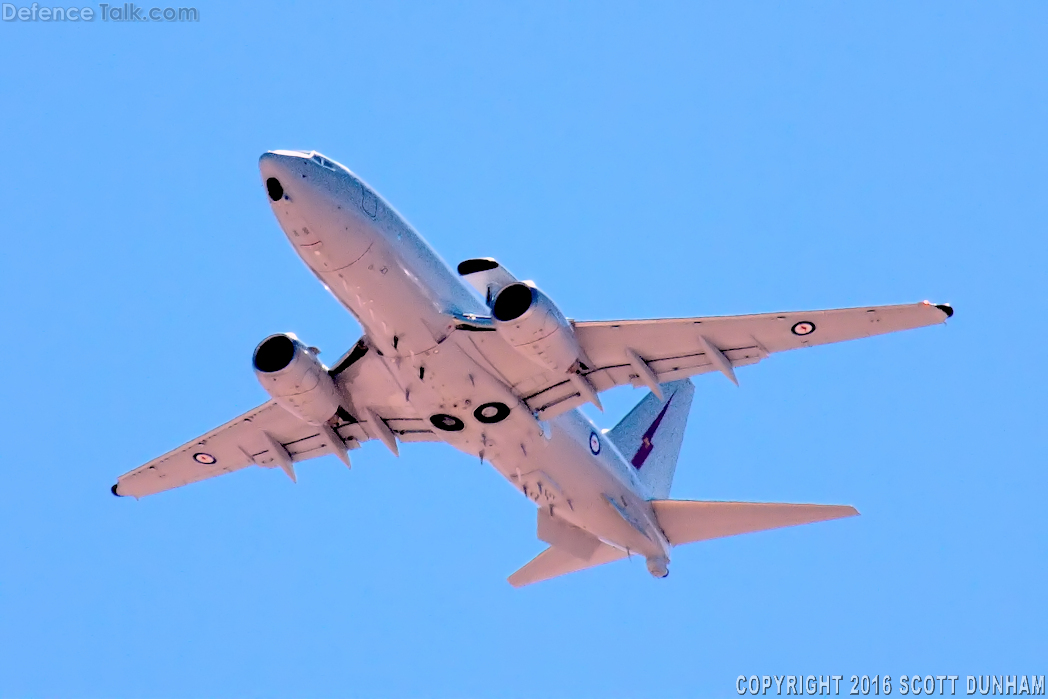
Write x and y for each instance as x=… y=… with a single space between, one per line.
x=278 y=168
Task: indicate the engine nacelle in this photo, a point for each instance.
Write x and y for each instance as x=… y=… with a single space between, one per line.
x=527 y=319
x=291 y=373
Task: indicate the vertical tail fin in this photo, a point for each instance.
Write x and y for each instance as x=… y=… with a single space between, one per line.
x=651 y=434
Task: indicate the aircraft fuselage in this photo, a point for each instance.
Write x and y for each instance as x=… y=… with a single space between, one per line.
x=417 y=313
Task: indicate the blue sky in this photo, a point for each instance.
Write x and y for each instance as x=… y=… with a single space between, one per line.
x=636 y=160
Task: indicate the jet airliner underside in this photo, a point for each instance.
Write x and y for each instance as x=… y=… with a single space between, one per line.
x=490 y=365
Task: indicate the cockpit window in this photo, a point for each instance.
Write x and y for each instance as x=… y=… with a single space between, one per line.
x=323 y=162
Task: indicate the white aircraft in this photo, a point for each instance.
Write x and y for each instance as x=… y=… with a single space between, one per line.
x=491 y=366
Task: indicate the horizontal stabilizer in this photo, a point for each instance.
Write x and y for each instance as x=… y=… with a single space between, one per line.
x=685 y=521
x=554 y=562
x=556 y=532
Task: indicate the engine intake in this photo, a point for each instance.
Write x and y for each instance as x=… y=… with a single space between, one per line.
x=529 y=320
x=291 y=373
x=514 y=301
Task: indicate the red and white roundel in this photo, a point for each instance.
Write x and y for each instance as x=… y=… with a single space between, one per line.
x=804 y=327
x=206 y=459
x=594 y=443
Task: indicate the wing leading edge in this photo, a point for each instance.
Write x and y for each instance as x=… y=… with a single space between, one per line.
x=271 y=437
x=267 y=436
x=647 y=352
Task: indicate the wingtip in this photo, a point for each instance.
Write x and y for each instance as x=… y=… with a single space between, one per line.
x=113 y=490
x=945 y=308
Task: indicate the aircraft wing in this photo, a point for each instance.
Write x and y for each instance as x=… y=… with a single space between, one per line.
x=648 y=352
x=271 y=437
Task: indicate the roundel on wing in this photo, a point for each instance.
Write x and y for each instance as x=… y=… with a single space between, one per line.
x=594 y=443
x=203 y=458
x=805 y=327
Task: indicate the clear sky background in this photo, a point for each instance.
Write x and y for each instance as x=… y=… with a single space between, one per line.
x=636 y=160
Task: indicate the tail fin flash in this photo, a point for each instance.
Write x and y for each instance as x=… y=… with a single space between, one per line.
x=651 y=435
x=685 y=521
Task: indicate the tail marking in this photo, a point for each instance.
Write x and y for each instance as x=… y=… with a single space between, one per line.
x=646 y=444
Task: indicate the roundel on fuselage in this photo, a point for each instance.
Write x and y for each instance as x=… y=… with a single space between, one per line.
x=594 y=441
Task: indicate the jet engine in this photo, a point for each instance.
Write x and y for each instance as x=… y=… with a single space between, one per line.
x=291 y=373
x=527 y=319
